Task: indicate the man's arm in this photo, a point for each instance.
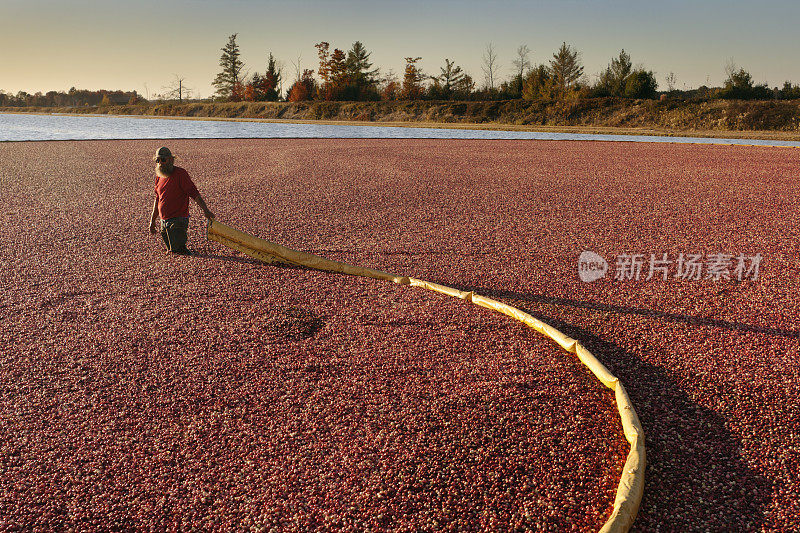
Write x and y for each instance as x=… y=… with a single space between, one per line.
x=154 y=216
x=208 y=214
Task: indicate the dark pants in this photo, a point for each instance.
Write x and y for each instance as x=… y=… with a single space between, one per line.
x=173 y=231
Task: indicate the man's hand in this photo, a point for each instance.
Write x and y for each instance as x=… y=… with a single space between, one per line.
x=206 y=211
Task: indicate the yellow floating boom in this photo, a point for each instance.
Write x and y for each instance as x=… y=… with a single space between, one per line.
x=631 y=483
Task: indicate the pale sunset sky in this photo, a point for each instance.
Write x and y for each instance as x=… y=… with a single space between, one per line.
x=142 y=45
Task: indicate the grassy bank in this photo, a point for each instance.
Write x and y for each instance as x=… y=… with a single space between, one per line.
x=712 y=117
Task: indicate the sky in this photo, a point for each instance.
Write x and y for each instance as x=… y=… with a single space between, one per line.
x=145 y=45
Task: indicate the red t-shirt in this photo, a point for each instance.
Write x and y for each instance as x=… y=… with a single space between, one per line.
x=173 y=194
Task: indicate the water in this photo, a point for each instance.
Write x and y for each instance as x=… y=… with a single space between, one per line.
x=23 y=127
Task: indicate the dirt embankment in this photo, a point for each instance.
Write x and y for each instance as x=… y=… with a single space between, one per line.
x=668 y=115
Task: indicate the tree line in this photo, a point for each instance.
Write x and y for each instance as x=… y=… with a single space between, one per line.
x=72 y=98
x=351 y=76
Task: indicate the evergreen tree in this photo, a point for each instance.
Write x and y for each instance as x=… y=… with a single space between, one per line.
x=271 y=80
x=412 y=80
x=232 y=66
x=565 y=68
x=445 y=84
x=463 y=87
x=789 y=91
x=739 y=85
x=451 y=74
x=358 y=68
x=739 y=79
x=615 y=78
x=641 y=84
x=537 y=84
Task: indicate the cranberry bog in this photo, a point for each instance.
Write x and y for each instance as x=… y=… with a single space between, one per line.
x=144 y=390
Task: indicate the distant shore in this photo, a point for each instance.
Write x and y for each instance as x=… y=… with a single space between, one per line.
x=769 y=120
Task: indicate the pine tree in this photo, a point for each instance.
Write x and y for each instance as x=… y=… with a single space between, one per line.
x=451 y=74
x=412 y=80
x=450 y=79
x=463 y=87
x=537 y=84
x=640 y=84
x=565 y=67
x=621 y=68
x=358 y=67
x=615 y=77
x=271 y=80
x=231 y=69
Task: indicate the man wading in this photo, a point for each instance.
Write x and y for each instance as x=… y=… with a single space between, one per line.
x=174 y=187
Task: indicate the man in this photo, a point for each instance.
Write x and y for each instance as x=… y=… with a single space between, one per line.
x=173 y=189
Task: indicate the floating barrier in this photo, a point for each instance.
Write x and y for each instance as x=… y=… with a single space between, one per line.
x=631 y=483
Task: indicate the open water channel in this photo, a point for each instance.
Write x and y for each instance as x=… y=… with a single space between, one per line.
x=29 y=127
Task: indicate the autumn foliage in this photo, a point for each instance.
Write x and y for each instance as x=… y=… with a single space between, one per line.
x=332 y=72
x=260 y=87
x=346 y=76
x=238 y=92
x=412 y=88
x=391 y=91
x=303 y=89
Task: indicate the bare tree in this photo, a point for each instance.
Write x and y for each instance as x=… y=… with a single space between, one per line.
x=296 y=66
x=730 y=67
x=490 y=66
x=671 y=80
x=176 y=90
x=521 y=63
x=521 y=66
